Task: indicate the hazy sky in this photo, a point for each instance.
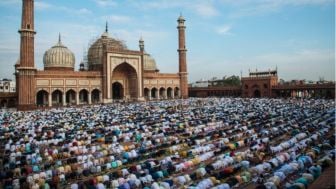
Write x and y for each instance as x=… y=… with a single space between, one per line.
x=224 y=37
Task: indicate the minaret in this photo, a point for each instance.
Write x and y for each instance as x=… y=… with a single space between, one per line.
x=25 y=72
x=182 y=57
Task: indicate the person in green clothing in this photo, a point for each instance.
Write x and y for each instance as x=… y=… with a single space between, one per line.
x=138 y=138
x=303 y=181
x=46 y=186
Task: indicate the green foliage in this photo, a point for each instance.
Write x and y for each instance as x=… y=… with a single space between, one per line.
x=229 y=81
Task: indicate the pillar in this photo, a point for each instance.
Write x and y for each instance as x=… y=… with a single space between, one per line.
x=89 y=98
x=77 y=98
x=165 y=94
x=100 y=97
x=49 y=99
x=64 y=99
x=150 y=94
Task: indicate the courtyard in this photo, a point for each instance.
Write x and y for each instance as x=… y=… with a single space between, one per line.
x=194 y=143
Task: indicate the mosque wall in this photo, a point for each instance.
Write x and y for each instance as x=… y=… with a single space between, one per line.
x=67 y=87
x=161 y=85
x=161 y=82
x=51 y=84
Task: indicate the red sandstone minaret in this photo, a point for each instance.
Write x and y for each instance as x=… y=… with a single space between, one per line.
x=182 y=58
x=25 y=71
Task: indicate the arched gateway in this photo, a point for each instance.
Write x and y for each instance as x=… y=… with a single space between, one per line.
x=117 y=91
x=124 y=82
x=256 y=94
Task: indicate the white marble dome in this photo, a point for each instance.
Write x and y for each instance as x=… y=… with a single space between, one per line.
x=58 y=57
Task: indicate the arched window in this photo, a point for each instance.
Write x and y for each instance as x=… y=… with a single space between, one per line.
x=42 y=98
x=95 y=96
x=83 y=96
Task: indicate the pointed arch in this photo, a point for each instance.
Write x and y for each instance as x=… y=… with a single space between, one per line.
x=154 y=93
x=117 y=90
x=256 y=93
x=4 y=103
x=95 y=96
x=128 y=76
x=42 y=98
x=170 y=93
x=83 y=96
x=147 y=93
x=57 y=99
x=162 y=93
x=71 y=97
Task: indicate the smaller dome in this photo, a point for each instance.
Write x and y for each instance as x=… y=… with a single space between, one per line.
x=149 y=63
x=59 y=57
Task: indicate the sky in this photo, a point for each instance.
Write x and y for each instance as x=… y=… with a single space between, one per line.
x=223 y=37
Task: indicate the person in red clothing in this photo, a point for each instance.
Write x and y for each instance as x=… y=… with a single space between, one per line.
x=55 y=181
x=29 y=169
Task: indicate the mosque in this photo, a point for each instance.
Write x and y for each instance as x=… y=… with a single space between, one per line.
x=113 y=71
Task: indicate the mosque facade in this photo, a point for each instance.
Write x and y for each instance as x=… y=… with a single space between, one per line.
x=113 y=71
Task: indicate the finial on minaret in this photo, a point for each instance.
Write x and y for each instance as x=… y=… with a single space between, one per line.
x=106 y=27
x=181 y=20
x=141 y=44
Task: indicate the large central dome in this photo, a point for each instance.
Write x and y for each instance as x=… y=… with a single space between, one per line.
x=95 y=52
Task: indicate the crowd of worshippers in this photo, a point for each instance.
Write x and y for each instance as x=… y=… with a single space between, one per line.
x=205 y=143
